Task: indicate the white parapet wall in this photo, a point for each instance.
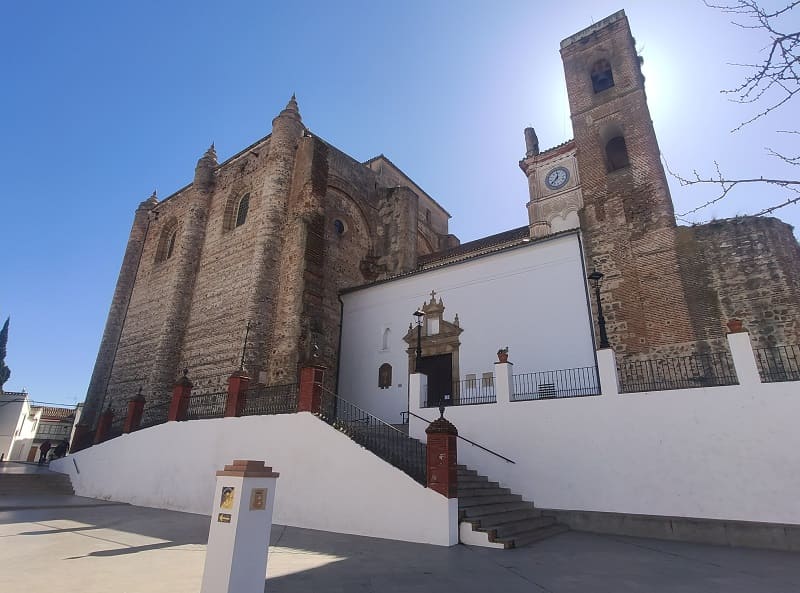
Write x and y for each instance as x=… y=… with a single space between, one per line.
x=728 y=453
x=327 y=481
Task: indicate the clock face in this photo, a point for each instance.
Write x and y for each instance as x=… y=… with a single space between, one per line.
x=556 y=178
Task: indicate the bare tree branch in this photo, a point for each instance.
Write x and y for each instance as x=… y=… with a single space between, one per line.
x=778 y=72
x=773 y=81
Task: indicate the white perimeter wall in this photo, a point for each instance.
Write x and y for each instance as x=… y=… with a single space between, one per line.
x=326 y=481
x=719 y=453
x=532 y=299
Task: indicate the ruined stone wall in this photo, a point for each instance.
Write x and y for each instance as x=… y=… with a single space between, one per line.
x=752 y=264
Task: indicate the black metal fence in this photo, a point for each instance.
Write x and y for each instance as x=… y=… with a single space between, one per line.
x=209 y=405
x=578 y=382
x=154 y=414
x=685 y=372
x=384 y=440
x=479 y=390
x=271 y=399
x=778 y=363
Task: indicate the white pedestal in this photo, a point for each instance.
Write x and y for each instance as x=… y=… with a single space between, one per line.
x=241 y=519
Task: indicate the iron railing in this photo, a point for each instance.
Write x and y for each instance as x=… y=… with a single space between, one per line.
x=686 y=372
x=271 y=399
x=209 y=405
x=578 y=382
x=778 y=363
x=154 y=414
x=384 y=440
x=479 y=390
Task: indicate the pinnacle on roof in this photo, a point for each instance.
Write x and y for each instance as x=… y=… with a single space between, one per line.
x=291 y=109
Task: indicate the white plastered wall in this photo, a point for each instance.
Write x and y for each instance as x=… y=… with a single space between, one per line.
x=326 y=482
x=718 y=453
x=532 y=299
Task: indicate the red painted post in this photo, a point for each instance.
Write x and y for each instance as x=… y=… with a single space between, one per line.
x=442 y=458
x=238 y=383
x=180 y=398
x=310 y=397
x=135 y=410
x=104 y=425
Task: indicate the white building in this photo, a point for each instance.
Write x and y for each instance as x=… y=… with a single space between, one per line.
x=18 y=425
x=503 y=291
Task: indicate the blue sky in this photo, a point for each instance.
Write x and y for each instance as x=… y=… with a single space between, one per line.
x=103 y=102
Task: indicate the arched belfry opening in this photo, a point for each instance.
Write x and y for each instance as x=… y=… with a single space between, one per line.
x=602 y=76
x=440 y=345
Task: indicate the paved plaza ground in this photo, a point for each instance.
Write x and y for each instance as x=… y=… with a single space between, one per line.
x=73 y=544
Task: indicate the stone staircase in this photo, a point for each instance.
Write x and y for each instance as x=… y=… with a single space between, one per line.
x=505 y=518
x=26 y=484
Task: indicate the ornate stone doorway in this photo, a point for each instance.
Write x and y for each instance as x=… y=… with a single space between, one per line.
x=440 y=349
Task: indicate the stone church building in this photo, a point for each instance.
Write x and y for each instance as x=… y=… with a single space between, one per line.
x=245 y=266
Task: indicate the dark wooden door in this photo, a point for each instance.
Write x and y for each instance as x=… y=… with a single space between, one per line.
x=439 y=369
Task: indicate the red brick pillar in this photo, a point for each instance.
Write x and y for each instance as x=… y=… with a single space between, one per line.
x=310 y=397
x=135 y=410
x=82 y=439
x=103 y=425
x=442 y=460
x=180 y=398
x=238 y=383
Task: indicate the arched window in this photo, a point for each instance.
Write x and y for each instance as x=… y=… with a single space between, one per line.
x=602 y=77
x=385 y=376
x=241 y=210
x=385 y=341
x=617 y=154
x=167 y=241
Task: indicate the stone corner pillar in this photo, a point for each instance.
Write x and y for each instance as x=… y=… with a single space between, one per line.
x=744 y=359
x=504 y=382
x=309 y=398
x=135 y=411
x=241 y=519
x=180 y=398
x=442 y=457
x=104 y=425
x=238 y=383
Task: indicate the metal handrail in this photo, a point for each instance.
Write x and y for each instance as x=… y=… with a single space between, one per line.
x=465 y=439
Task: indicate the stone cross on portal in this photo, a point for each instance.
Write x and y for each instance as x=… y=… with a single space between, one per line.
x=433 y=296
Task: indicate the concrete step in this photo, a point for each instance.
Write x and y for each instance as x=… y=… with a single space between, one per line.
x=491 y=520
x=490 y=509
x=473 y=501
x=535 y=535
x=469 y=492
x=46 y=483
x=520 y=527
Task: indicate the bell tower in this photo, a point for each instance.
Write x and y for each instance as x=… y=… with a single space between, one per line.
x=627 y=217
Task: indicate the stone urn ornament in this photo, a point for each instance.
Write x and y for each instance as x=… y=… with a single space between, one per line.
x=502 y=354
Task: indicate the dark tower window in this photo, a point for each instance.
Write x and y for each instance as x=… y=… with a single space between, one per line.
x=338 y=226
x=617 y=154
x=385 y=376
x=602 y=78
x=241 y=212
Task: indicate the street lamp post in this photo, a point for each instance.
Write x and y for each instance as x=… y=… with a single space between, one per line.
x=595 y=277
x=419 y=314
